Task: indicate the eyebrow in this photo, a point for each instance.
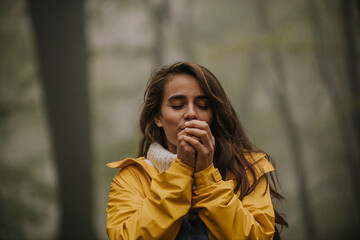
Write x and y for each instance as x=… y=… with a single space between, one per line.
x=176 y=97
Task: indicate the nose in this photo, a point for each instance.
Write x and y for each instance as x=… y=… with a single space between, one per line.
x=190 y=113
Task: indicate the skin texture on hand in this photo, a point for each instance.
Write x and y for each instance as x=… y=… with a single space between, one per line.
x=196 y=145
x=185 y=152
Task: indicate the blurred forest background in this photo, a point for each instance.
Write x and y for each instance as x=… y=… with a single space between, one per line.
x=72 y=77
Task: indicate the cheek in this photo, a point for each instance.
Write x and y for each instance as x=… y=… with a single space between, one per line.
x=171 y=118
x=171 y=129
x=207 y=117
x=210 y=118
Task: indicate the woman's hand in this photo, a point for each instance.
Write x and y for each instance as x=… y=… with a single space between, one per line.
x=185 y=152
x=198 y=136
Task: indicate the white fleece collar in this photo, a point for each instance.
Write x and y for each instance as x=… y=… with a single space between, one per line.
x=160 y=157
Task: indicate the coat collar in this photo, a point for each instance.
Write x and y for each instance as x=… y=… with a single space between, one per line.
x=137 y=161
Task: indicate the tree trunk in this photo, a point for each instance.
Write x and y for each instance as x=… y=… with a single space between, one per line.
x=159 y=12
x=59 y=31
x=343 y=119
x=186 y=29
x=290 y=127
x=353 y=84
x=296 y=146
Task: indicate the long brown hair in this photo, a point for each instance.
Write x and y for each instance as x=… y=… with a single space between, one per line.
x=231 y=139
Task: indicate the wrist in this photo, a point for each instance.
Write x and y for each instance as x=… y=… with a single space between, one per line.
x=202 y=165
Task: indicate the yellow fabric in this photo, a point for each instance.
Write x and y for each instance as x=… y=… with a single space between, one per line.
x=144 y=204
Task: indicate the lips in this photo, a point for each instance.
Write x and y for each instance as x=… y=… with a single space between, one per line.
x=181 y=127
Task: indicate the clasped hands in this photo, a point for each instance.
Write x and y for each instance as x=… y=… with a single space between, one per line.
x=195 y=145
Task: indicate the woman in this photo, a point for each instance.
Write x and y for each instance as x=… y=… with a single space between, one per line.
x=197 y=175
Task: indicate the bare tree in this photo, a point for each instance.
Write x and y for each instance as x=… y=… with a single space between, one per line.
x=279 y=93
x=59 y=30
x=350 y=33
x=159 y=11
x=186 y=28
x=346 y=123
x=246 y=99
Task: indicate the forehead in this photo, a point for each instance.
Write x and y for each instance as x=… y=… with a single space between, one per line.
x=183 y=84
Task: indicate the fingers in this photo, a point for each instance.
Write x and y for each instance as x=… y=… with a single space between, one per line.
x=185 y=151
x=196 y=145
x=205 y=153
x=197 y=124
x=200 y=129
x=198 y=135
x=201 y=136
x=202 y=150
x=183 y=145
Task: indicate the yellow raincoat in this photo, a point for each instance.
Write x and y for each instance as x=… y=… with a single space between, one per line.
x=144 y=204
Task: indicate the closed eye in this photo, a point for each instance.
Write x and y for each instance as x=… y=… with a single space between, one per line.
x=177 y=106
x=203 y=107
x=202 y=103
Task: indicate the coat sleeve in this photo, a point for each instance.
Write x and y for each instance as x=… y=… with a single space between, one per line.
x=228 y=217
x=132 y=215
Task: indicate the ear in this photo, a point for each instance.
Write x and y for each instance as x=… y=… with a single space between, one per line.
x=158 y=121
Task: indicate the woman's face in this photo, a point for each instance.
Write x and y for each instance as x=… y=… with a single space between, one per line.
x=183 y=101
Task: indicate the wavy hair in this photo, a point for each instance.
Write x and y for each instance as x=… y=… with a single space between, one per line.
x=231 y=139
